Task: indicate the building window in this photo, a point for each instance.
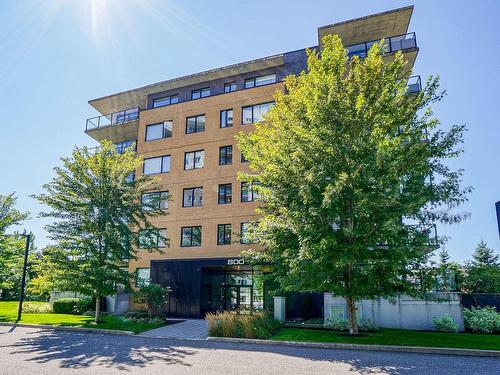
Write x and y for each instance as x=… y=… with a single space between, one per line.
x=225 y=155
x=230 y=86
x=121 y=147
x=142 y=276
x=248 y=193
x=224 y=234
x=195 y=124
x=194 y=159
x=160 y=164
x=192 y=197
x=152 y=238
x=167 y=100
x=159 y=131
x=200 y=93
x=156 y=200
x=226 y=118
x=243 y=159
x=225 y=193
x=244 y=233
x=190 y=236
x=255 y=113
x=260 y=81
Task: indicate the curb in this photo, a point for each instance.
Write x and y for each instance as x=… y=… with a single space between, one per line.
x=380 y=348
x=69 y=328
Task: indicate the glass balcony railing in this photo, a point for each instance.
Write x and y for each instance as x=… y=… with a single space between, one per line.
x=414 y=85
x=391 y=44
x=111 y=119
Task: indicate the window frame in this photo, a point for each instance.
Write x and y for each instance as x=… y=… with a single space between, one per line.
x=169 y=97
x=137 y=276
x=225 y=195
x=120 y=148
x=242 y=241
x=201 y=91
x=158 y=230
x=194 y=159
x=196 y=123
x=192 y=197
x=253 y=80
x=225 y=148
x=225 y=240
x=162 y=133
x=191 y=235
x=253 y=115
x=230 y=85
x=160 y=193
x=223 y=115
x=251 y=192
x=161 y=166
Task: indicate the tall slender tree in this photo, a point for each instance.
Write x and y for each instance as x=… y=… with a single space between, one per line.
x=351 y=172
x=101 y=219
x=483 y=271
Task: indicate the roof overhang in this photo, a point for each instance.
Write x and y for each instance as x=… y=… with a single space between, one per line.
x=138 y=97
x=376 y=26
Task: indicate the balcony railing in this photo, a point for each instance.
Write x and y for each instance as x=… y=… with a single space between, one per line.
x=111 y=119
x=391 y=44
x=414 y=85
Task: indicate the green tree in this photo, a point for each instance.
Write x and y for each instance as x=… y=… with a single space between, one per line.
x=100 y=220
x=153 y=295
x=12 y=246
x=483 y=271
x=351 y=173
x=449 y=274
x=41 y=281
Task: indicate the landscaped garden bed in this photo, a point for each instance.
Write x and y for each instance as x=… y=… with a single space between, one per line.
x=8 y=313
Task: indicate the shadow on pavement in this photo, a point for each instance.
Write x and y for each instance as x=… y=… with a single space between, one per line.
x=82 y=350
x=85 y=350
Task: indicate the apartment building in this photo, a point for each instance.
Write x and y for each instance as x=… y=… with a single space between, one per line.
x=184 y=128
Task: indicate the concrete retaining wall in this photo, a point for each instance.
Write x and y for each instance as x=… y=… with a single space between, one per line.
x=404 y=312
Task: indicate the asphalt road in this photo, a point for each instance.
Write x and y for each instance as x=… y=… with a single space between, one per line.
x=34 y=351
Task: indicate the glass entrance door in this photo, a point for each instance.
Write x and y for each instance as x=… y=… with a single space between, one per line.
x=238 y=297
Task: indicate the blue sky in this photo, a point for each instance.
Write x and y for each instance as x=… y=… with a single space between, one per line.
x=57 y=55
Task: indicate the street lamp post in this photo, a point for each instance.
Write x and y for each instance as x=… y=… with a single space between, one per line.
x=23 y=279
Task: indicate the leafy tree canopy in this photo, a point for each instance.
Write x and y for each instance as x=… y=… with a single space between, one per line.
x=99 y=219
x=351 y=172
x=12 y=246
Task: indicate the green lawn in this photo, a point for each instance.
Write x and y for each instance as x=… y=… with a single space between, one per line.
x=395 y=337
x=8 y=313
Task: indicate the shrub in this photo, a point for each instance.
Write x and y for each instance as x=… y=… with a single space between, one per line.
x=336 y=324
x=65 y=305
x=444 y=323
x=258 y=325
x=153 y=295
x=83 y=305
x=136 y=314
x=37 y=308
x=484 y=320
x=366 y=324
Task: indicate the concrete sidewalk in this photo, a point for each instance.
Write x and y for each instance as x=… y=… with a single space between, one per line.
x=189 y=329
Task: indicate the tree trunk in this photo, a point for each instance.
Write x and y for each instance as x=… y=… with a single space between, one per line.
x=97 y=308
x=351 y=314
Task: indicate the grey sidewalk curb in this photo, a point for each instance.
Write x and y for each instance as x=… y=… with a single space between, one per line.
x=69 y=328
x=381 y=348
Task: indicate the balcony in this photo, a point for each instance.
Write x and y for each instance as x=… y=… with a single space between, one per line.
x=116 y=127
x=391 y=44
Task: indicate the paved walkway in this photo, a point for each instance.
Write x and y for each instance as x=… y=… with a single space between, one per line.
x=191 y=329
